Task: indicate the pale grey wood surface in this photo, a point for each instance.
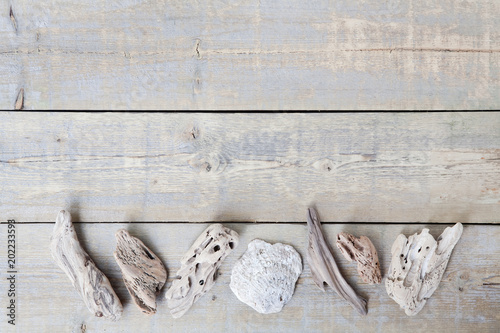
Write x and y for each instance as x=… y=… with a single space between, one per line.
x=467 y=300
x=166 y=168
x=382 y=167
x=250 y=54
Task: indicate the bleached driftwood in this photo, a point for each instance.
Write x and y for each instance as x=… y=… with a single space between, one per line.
x=19 y=105
x=14 y=22
x=323 y=266
x=92 y=285
x=199 y=267
x=143 y=272
x=417 y=266
x=265 y=276
x=364 y=253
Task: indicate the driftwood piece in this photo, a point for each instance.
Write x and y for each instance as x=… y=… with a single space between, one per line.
x=143 y=272
x=323 y=266
x=19 y=105
x=14 y=22
x=92 y=285
x=265 y=276
x=417 y=266
x=199 y=266
x=364 y=253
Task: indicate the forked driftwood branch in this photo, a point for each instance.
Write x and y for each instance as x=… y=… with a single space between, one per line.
x=323 y=266
x=364 y=253
x=92 y=285
x=143 y=272
x=199 y=267
x=417 y=266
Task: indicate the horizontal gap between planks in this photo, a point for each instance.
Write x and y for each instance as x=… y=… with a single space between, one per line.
x=261 y=222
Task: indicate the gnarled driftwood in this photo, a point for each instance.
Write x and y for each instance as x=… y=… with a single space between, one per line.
x=199 y=267
x=92 y=285
x=364 y=253
x=417 y=266
x=323 y=266
x=143 y=272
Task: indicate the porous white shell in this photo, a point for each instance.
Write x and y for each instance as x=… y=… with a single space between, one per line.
x=265 y=276
x=417 y=266
x=88 y=280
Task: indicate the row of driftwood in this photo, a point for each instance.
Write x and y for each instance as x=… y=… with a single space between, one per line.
x=264 y=277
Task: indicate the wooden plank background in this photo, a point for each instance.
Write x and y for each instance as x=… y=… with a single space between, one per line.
x=373 y=174
x=291 y=54
x=439 y=167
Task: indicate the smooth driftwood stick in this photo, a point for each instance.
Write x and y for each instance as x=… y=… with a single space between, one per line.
x=92 y=285
x=199 y=267
x=323 y=266
x=364 y=253
x=143 y=272
x=417 y=266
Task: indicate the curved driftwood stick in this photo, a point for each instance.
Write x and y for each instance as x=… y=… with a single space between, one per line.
x=143 y=272
x=92 y=285
x=323 y=266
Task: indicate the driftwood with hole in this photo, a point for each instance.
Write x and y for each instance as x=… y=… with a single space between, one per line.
x=364 y=253
x=199 y=265
x=417 y=266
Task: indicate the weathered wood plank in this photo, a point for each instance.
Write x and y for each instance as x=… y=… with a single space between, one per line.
x=253 y=54
x=468 y=298
x=440 y=167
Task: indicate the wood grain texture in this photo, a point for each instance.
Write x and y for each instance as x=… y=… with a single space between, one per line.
x=289 y=54
x=438 y=167
x=468 y=298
